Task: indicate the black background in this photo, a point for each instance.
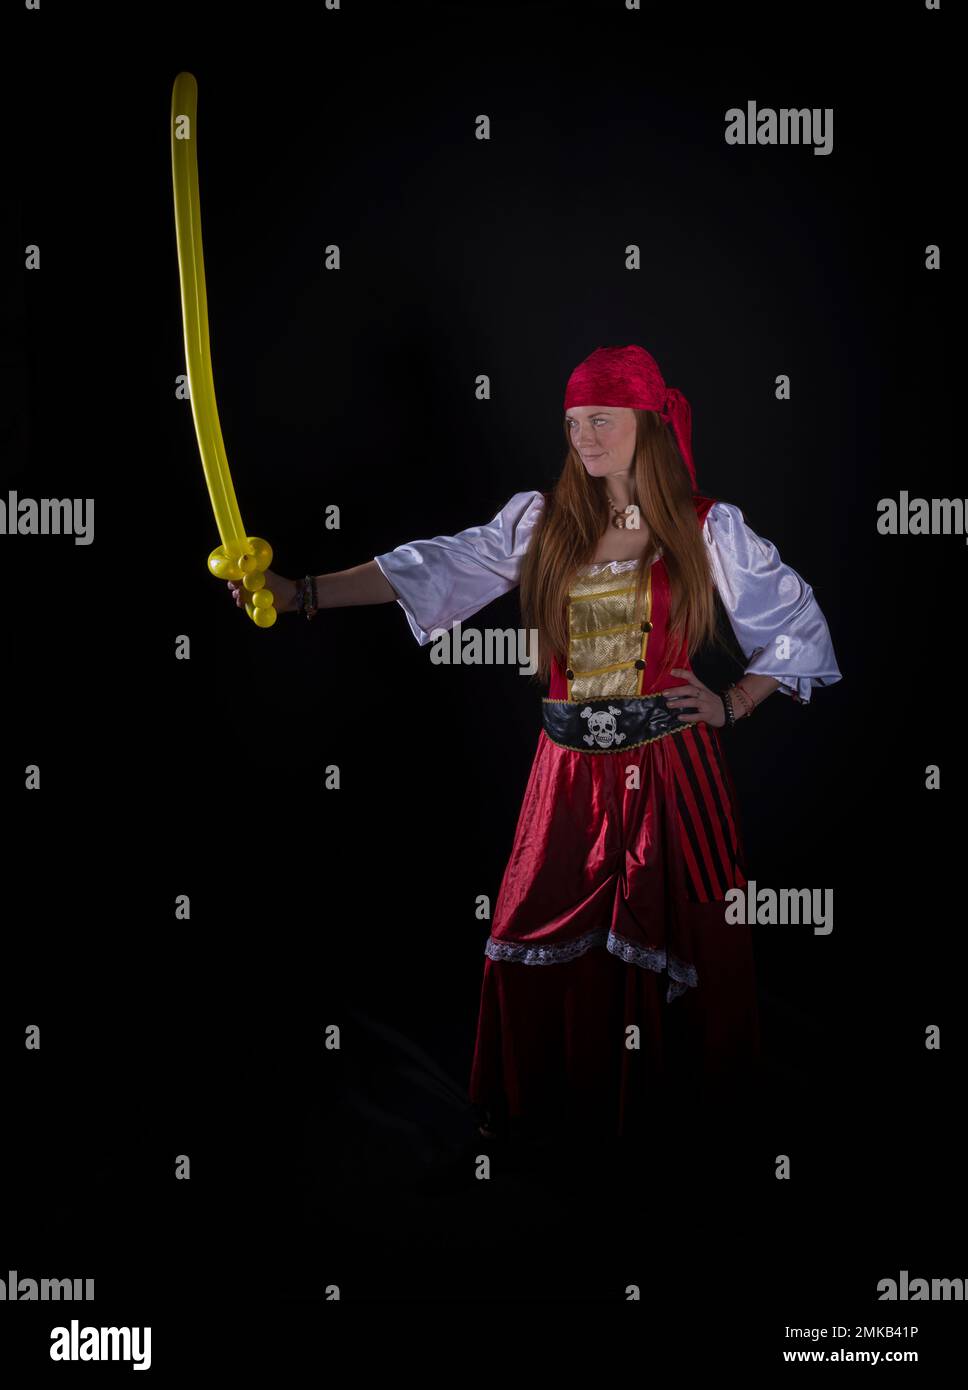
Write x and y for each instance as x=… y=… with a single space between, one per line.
x=206 y=777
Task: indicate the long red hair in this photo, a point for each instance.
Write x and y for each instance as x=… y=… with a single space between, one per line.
x=575 y=515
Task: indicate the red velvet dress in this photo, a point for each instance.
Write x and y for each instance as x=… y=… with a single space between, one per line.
x=612 y=977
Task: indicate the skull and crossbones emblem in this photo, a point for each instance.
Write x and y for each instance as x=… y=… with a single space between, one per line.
x=602 y=726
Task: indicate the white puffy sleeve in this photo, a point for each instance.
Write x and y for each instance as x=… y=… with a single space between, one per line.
x=440 y=582
x=777 y=621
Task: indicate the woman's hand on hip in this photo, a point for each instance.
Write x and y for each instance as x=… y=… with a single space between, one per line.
x=695 y=703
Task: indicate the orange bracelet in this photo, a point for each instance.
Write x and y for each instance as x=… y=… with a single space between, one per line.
x=747 y=697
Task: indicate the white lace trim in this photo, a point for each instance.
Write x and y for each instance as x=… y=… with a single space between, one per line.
x=681 y=975
x=616 y=566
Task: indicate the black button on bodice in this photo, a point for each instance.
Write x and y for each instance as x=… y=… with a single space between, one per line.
x=570 y=675
x=640 y=665
x=646 y=627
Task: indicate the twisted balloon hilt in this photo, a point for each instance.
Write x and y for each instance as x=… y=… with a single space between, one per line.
x=248 y=560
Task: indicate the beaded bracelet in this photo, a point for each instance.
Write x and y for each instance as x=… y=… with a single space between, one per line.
x=306 y=598
x=728 y=707
x=727 y=698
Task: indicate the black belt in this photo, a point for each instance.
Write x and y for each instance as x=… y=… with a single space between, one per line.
x=609 y=726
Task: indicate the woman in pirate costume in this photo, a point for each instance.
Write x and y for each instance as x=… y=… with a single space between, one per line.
x=611 y=969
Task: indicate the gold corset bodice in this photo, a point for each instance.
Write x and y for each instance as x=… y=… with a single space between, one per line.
x=607 y=642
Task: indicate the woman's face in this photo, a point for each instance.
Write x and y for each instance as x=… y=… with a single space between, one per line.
x=604 y=437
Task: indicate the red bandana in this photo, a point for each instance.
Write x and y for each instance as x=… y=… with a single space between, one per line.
x=630 y=376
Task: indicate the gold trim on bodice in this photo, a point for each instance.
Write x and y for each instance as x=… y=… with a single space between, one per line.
x=606 y=642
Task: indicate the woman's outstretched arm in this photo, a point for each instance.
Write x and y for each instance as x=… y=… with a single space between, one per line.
x=361 y=584
x=438 y=581
x=364 y=583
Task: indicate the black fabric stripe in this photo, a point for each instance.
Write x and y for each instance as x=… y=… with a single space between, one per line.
x=693 y=832
x=706 y=827
x=708 y=754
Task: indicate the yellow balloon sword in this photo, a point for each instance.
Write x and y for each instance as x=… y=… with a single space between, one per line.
x=239 y=556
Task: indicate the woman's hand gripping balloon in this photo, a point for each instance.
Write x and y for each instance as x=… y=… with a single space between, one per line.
x=283 y=592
